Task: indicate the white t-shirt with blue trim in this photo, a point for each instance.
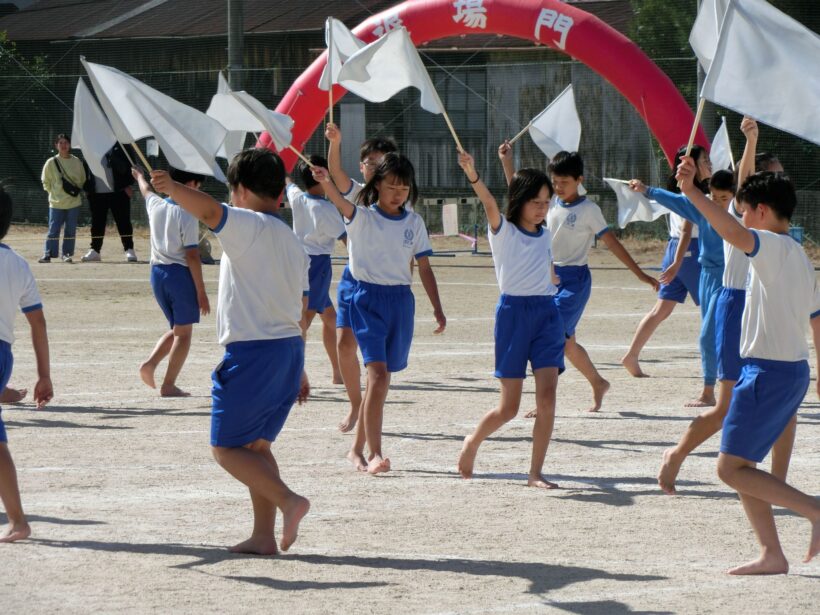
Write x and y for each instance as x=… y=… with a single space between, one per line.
x=316 y=221
x=782 y=297
x=574 y=226
x=736 y=263
x=263 y=276
x=19 y=291
x=522 y=260
x=676 y=226
x=173 y=230
x=381 y=246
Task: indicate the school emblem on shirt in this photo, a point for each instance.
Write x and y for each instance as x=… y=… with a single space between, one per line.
x=572 y=219
x=408 y=237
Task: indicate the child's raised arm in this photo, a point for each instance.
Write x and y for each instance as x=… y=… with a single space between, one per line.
x=145 y=187
x=43 y=390
x=201 y=206
x=747 y=163
x=505 y=154
x=466 y=162
x=334 y=157
x=332 y=193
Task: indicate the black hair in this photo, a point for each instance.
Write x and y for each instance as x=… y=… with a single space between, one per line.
x=526 y=184
x=695 y=154
x=258 y=170
x=722 y=180
x=377 y=144
x=772 y=189
x=400 y=168
x=62 y=135
x=567 y=164
x=5 y=212
x=305 y=173
x=183 y=177
x=764 y=160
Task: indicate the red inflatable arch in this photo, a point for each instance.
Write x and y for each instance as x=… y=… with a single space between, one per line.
x=549 y=22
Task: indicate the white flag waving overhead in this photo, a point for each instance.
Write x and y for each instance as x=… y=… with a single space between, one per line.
x=91 y=131
x=341 y=44
x=385 y=67
x=721 y=153
x=766 y=66
x=235 y=139
x=188 y=138
x=704 y=35
x=557 y=128
x=634 y=206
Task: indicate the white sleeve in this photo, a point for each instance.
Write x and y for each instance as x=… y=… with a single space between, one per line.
x=237 y=230
x=596 y=222
x=815 y=311
x=189 y=230
x=358 y=221
x=421 y=245
x=293 y=192
x=152 y=201
x=328 y=222
x=768 y=255
x=29 y=297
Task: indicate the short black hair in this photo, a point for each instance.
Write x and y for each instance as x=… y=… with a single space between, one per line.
x=183 y=177
x=567 y=164
x=62 y=135
x=5 y=212
x=305 y=173
x=259 y=170
x=722 y=180
x=526 y=184
x=377 y=144
x=764 y=160
x=772 y=189
x=400 y=168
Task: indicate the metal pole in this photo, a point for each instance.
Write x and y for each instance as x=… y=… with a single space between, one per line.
x=235 y=41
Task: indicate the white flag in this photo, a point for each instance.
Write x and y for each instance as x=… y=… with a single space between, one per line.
x=235 y=139
x=91 y=131
x=704 y=35
x=188 y=138
x=721 y=152
x=341 y=44
x=766 y=66
x=557 y=128
x=385 y=67
x=634 y=206
x=239 y=111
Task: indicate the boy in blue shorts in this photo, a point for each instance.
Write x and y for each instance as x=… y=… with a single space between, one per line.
x=19 y=291
x=176 y=278
x=318 y=225
x=782 y=294
x=263 y=287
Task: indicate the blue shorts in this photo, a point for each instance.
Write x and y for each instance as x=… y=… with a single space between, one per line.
x=382 y=318
x=176 y=294
x=527 y=329
x=344 y=297
x=764 y=400
x=728 y=318
x=320 y=275
x=688 y=278
x=573 y=294
x=6 y=364
x=254 y=388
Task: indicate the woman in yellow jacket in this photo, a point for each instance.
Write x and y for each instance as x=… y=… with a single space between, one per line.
x=62 y=172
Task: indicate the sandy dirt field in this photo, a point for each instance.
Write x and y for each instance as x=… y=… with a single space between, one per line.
x=131 y=514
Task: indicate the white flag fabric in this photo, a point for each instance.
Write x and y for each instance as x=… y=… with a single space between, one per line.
x=634 y=206
x=766 y=66
x=721 y=152
x=704 y=35
x=386 y=66
x=235 y=139
x=341 y=44
x=91 y=131
x=239 y=111
x=188 y=138
x=557 y=128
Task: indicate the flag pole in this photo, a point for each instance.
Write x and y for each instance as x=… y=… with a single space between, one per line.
x=452 y=130
x=699 y=113
x=729 y=144
x=301 y=155
x=139 y=153
x=330 y=89
x=520 y=134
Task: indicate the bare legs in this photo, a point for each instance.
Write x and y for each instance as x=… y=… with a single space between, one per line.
x=17 y=528
x=370 y=427
x=328 y=318
x=577 y=355
x=659 y=312
x=175 y=344
x=12 y=396
x=346 y=348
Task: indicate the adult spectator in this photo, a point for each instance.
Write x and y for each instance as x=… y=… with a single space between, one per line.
x=64 y=177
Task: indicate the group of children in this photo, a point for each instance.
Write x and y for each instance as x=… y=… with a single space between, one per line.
x=540 y=249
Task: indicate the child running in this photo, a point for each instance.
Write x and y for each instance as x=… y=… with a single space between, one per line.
x=782 y=296
x=19 y=291
x=382 y=238
x=263 y=284
x=528 y=325
x=176 y=278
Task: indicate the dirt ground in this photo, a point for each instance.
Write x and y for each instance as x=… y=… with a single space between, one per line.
x=131 y=514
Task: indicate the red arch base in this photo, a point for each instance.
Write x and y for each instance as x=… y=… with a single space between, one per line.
x=549 y=22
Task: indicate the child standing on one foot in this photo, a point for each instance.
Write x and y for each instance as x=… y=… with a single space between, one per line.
x=782 y=295
x=263 y=286
x=176 y=278
x=19 y=292
x=317 y=223
x=382 y=238
x=528 y=325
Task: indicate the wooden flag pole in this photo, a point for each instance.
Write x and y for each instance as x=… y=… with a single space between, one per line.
x=139 y=153
x=520 y=134
x=699 y=113
x=452 y=130
x=301 y=155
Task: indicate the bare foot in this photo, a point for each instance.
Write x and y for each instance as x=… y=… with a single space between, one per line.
x=259 y=545
x=531 y=414
x=12 y=396
x=633 y=366
x=15 y=531
x=357 y=459
x=350 y=421
x=598 y=391
x=467 y=458
x=814 y=544
x=540 y=482
x=704 y=401
x=668 y=472
x=765 y=564
x=147 y=374
x=171 y=390
x=337 y=378
x=377 y=465
x=296 y=508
